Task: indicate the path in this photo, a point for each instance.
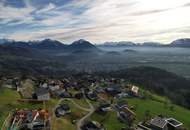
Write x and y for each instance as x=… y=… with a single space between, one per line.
x=81 y=121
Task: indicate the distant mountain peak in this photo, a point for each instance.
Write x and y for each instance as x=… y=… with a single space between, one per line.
x=4 y=40
x=82 y=44
x=183 y=42
x=49 y=40
x=81 y=41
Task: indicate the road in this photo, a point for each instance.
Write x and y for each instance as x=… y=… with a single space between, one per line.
x=81 y=121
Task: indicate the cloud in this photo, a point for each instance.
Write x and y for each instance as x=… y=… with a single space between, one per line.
x=97 y=20
x=186 y=5
x=9 y=13
x=47 y=8
x=149 y=12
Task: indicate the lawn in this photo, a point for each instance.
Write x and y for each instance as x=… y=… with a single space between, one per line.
x=157 y=108
x=110 y=120
x=76 y=113
x=82 y=102
x=155 y=104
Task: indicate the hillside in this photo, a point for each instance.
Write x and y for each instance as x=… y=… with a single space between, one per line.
x=20 y=51
x=159 y=81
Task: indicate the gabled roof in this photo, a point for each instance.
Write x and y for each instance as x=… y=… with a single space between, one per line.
x=159 y=122
x=41 y=91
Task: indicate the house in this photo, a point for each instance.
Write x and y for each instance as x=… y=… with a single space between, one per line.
x=158 y=123
x=161 y=123
x=92 y=96
x=11 y=83
x=113 y=90
x=62 y=110
x=134 y=90
x=121 y=105
x=103 y=108
x=65 y=94
x=99 y=90
x=79 y=95
x=58 y=92
x=126 y=115
x=142 y=126
x=30 y=120
x=92 y=125
x=122 y=95
x=42 y=94
x=173 y=124
x=54 y=87
x=44 y=85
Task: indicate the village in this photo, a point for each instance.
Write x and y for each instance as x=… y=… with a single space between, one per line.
x=85 y=102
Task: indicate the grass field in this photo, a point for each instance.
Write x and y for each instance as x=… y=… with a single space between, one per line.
x=81 y=102
x=155 y=104
x=110 y=120
x=157 y=108
x=76 y=113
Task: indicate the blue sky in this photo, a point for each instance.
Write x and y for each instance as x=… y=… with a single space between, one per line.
x=95 y=20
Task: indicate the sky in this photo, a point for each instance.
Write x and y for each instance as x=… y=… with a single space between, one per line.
x=95 y=20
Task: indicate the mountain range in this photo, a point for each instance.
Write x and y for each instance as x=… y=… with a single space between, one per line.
x=83 y=44
x=51 y=49
x=185 y=42
x=181 y=42
x=49 y=44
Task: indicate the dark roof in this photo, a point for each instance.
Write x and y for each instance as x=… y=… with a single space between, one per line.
x=41 y=91
x=91 y=125
x=159 y=122
x=65 y=95
x=65 y=107
x=105 y=105
x=113 y=89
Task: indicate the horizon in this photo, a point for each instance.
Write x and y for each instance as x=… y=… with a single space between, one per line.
x=115 y=42
x=138 y=21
